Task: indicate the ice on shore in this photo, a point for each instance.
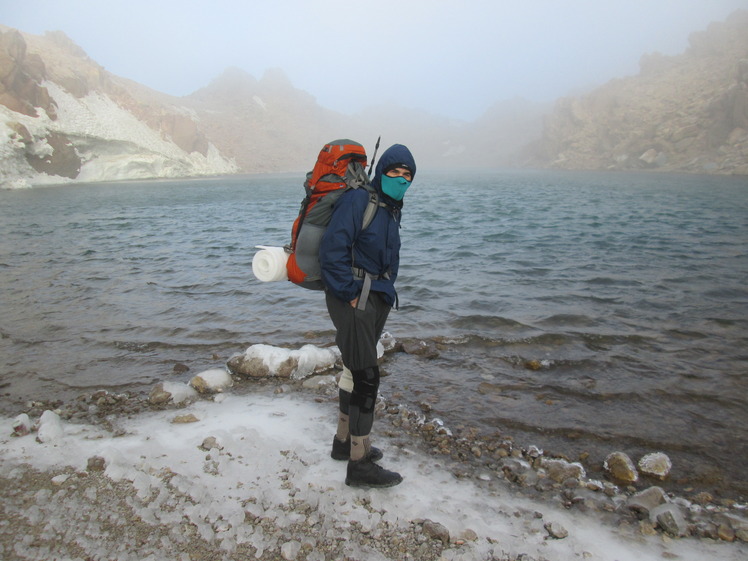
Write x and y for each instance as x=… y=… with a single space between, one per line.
x=266 y=451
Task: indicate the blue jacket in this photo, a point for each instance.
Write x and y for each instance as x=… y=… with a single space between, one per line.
x=376 y=249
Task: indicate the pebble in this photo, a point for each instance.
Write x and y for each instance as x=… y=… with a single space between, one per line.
x=21 y=425
x=96 y=463
x=183 y=419
x=290 y=550
x=436 y=531
x=726 y=533
x=556 y=530
x=209 y=443
x=60 y=479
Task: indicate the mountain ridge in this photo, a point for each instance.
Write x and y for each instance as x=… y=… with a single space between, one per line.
x=64 y=117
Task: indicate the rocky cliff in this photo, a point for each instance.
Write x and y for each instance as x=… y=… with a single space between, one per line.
x=686 y=113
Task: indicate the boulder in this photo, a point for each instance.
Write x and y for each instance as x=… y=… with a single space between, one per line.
x=50 y=427
x=214 y=380
x=646 y=501
x=670 y=518
x=561 y=470
x=621 y=468
x=656 y=465
x=260 y=361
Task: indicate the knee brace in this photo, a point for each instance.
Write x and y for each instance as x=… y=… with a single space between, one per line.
x=365 y=388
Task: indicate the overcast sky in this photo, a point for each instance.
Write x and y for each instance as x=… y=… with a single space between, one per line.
x=453 y=58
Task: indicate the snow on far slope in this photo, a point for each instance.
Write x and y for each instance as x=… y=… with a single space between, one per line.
x=110 y=141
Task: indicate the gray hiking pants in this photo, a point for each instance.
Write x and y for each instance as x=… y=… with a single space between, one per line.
x=358 y=332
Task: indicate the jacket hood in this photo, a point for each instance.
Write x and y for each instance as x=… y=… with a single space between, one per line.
x=395 y=154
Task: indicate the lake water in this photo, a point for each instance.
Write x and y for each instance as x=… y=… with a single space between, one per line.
x=581 y=312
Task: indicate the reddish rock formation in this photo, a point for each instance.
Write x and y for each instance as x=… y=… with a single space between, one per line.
x=21 y=75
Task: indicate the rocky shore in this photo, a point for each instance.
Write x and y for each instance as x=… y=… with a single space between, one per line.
x=108 y=513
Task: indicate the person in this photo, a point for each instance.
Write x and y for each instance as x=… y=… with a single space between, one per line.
x=359 y=270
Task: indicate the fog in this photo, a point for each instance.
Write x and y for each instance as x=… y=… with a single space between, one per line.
x=444 y=57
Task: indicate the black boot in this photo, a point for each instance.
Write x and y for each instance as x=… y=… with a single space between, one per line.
x=341 y=450
x=365 y=473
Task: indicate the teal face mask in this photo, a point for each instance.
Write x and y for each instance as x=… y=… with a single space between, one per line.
x=395 y=187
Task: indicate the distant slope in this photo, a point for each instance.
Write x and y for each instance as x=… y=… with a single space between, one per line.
x=63 y=117
x=686 y=113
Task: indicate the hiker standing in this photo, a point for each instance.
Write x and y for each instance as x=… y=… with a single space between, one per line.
x=359 y=269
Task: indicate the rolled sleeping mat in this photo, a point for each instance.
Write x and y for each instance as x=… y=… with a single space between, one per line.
x=269 y=264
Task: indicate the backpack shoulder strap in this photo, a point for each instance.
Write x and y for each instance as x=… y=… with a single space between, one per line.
x=371 y=208
x=357 y=178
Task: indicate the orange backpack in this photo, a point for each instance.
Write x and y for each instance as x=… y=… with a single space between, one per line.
x=341 y=165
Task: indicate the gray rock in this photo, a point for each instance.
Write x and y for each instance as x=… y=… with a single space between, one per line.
x=158 y=395
x=519 y=471
x=589 y=500
x=556 y=530
x=436 y=531
x=739 y=524
x=290 y=550
x=528 y=478
x=645 y=501
x=561 y=470
x=209 y=443
x=96 y=463
x=670 y=518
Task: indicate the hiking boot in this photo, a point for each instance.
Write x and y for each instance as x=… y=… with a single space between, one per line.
x=341 y=450
x=365 y=473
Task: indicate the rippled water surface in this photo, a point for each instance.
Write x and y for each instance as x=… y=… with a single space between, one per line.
x=580 y=312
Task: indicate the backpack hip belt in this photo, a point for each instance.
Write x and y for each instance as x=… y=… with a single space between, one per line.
x=367 y=277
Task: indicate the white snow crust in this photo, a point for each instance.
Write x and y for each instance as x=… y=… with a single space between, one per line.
x=271 y=448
